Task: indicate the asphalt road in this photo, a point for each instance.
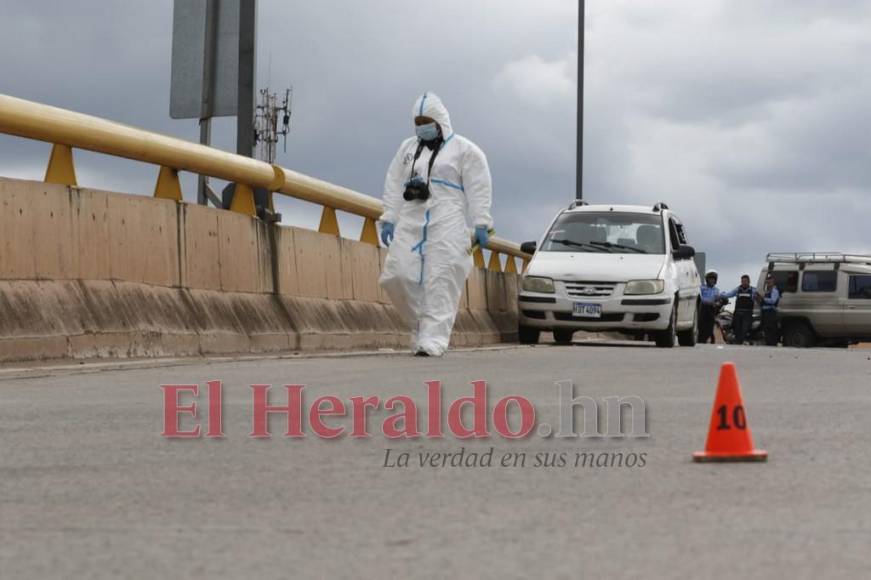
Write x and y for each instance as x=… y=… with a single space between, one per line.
x=90 y=489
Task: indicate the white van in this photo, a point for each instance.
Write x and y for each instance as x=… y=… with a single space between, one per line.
x=604 y=268
x=825 y=297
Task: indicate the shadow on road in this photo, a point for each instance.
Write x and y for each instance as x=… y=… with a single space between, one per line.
x=601 y=343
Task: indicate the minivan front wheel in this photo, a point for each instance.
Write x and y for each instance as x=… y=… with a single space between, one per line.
x=668 y=338
x=528 y=334
x=563 y=336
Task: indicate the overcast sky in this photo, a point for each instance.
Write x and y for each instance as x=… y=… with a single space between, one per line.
x=750 y=118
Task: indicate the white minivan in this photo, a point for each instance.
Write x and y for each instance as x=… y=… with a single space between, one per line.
x=606 y=268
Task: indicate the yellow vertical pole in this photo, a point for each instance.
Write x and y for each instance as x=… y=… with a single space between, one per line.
x=243 y=200
x=60 y=166
x=329 y=223
x=168 y=186
x=369 y=234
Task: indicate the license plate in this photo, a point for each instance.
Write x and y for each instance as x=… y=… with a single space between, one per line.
x=587 y=310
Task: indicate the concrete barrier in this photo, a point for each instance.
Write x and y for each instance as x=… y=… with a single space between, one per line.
x=86 y=273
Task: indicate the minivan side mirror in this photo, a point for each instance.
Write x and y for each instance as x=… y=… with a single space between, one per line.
x=684 y=252
x=528 y=247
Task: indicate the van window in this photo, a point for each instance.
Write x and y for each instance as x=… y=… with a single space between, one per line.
x=786 y=281
x=823 y=281
x=860 y=287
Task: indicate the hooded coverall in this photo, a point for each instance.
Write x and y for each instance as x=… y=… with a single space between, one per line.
x=429 y=260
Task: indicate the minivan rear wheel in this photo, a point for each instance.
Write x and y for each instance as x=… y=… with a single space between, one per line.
x=528 y=334
x=689 y=337
x=668 y=338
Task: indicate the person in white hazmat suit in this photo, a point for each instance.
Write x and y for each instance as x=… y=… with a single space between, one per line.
x=437 y=196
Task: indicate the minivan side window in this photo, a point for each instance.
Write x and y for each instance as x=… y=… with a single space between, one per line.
x=860 y=287
x=681 y=232
x=822 y=281
x=673 y=234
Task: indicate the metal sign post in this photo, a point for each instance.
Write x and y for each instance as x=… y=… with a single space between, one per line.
x=213 y=69
x=210 y=37
x=246 y=88
x=579 y=169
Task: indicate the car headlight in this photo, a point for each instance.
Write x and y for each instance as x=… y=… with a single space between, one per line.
x=644 y=287
x=538 y=284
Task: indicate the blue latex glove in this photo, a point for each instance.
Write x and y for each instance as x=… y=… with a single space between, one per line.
x=387 y=233
x=481 y=236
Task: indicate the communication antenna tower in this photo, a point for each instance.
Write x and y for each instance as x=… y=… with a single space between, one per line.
x=267 y=119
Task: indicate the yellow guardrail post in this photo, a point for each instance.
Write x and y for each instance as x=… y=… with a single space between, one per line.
x=369 y=234
x=243 y=200
x=61 y=168
x=168 y=186
x=478 y=257
x=329 y=222
x=495 y=264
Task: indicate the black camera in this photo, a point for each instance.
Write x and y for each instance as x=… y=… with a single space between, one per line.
x=416 y=188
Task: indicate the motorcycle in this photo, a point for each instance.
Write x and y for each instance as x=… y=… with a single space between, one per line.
x=724 y=320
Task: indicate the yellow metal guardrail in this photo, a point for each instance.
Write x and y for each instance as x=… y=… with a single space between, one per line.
x=67 y=130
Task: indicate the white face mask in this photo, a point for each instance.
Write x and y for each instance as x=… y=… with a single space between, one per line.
x=428 y=132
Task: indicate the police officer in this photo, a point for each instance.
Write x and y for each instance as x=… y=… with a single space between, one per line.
x=709 y=306
x=742 y=320
x=770 y=320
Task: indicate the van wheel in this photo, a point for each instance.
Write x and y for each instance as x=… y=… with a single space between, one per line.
x=563 y=336
x=689 y=337
x=798 y=335
x=528 y=334
x=668 y=338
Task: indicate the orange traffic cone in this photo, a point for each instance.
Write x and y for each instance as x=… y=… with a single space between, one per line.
x=729 y=437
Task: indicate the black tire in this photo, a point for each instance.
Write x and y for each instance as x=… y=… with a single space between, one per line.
x=563 y=335
x=528 y=334
x=726 y=324
x=689 y=337
x=668 y=338
x=798 y=335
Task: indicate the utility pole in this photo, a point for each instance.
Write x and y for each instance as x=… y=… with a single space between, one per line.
x=579 y=170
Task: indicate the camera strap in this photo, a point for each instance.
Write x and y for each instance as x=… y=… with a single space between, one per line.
x=435 y=152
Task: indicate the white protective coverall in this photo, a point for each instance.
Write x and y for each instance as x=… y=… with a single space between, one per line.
x=428 y=261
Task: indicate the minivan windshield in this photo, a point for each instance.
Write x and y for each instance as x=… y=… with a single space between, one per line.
x=606 y=232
